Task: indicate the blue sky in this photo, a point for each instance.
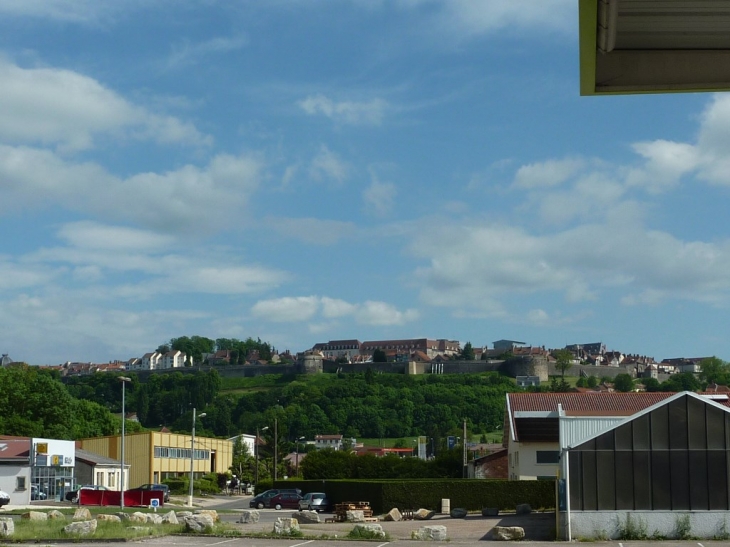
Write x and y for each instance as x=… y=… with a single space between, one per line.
x=307 y=170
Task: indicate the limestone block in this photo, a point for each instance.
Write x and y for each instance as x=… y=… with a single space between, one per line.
x=424 y=514
x=170 y=518
x=7 y=527
x=55 y=514
x=81 y=527
x=82 y=513
x=286 y=526
x=108 y=518
x=371 y=529
x=508 y=533
x=430 y=533
x=34 y=515
x=198 y=523
x=249 y=517
x=394 y=515
x=210 y=512
x=523 y=509
x=307 y=517
x=154 y=518
x=138 y=516
x=183 y=514
x=458 y=513
x=355 y=516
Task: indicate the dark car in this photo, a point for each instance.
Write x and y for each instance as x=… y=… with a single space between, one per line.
x=264 y=498
x=314 y=501
x=4 y=498
x=285 y=500
x=73 y=495
x=159 y=487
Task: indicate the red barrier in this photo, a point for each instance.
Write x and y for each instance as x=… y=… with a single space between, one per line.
x=132 y=498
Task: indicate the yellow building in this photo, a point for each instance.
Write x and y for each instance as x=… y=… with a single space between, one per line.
x=154 y=456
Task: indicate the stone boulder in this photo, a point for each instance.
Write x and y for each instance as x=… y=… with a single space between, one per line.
x=170 y=518
x=458 y=513
x=249 y=517
x=286 y=526
x=34 y=515
x=307 y=517
x=508 y=533
x=212 y=513
x=356 y=515
x=7 y=527
x=55 y=514
x=199 y=523
x=394 y=515
x=523 y=509
x=424 y=514
x=108 y=518
x=81 y=527
x=490 y=512
x=82 y=513
x=371 y=530
x=430 y=533
x=154 y=518
x=138 y=516
x=183 y=514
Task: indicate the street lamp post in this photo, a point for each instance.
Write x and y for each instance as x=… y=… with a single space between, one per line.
x=192 y=459
x=124 y=380
x=276 y=443
x=296 y=468
x=256 y=450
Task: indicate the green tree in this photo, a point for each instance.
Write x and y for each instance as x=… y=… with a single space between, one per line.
x=623 y=383
x=592 y=382
x=467 y=352
x=563 y=361
x=713 y=370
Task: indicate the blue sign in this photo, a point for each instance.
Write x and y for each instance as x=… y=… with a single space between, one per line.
x=451 y=441
x=154 y=502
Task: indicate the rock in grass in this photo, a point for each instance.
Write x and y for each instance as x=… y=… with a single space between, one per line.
x=81 y=527
x=7 y=527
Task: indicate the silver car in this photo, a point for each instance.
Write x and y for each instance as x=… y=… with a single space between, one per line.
x=314 y=501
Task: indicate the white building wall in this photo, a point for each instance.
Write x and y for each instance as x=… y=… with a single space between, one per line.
x=9 y=481
x=602 y=525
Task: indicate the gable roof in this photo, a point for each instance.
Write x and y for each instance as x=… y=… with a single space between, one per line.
x=95 y=459
x=673 y=397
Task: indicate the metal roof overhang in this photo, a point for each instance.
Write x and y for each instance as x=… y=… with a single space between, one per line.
x=654 y=46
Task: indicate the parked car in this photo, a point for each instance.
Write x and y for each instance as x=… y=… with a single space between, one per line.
x=4 y=498
x=264 y=498
x=314 y=501
x=161 y=487
x=285 y=500
x=36 y=493
x=73 y=495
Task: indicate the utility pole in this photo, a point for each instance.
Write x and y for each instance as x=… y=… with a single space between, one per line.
x=276 y=444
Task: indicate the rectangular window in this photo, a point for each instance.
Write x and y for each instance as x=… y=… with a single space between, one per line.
x=111 y=481
x=20 y=483
x=100 y=478
x=548 y=456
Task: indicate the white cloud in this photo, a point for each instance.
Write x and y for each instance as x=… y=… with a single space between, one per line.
x=169 y=202
x=383 y=314
x=547 y=174
x=313 y=231
x=92 y=235
x=467 y=263
x=289 y=309
x=78 y=11
x=379 y=198
x=59 y=107
x=188 y=53
x=346 y=112
x=295 y=309
x=327 y=165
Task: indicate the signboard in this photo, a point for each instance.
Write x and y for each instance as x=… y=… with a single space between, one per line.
x=41 y=448
x=451 y=442
x=54 y=452
x=422 y=448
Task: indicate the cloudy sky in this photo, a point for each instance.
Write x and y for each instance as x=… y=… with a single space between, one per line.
x=302 y=171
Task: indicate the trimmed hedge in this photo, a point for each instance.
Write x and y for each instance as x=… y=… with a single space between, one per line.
x=471 y=494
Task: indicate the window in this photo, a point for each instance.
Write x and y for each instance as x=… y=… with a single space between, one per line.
x=548 y=456
x=20 y=483
x=100 y=478
x=111 y=480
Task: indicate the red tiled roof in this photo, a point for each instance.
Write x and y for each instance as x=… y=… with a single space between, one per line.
x=594 y=403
